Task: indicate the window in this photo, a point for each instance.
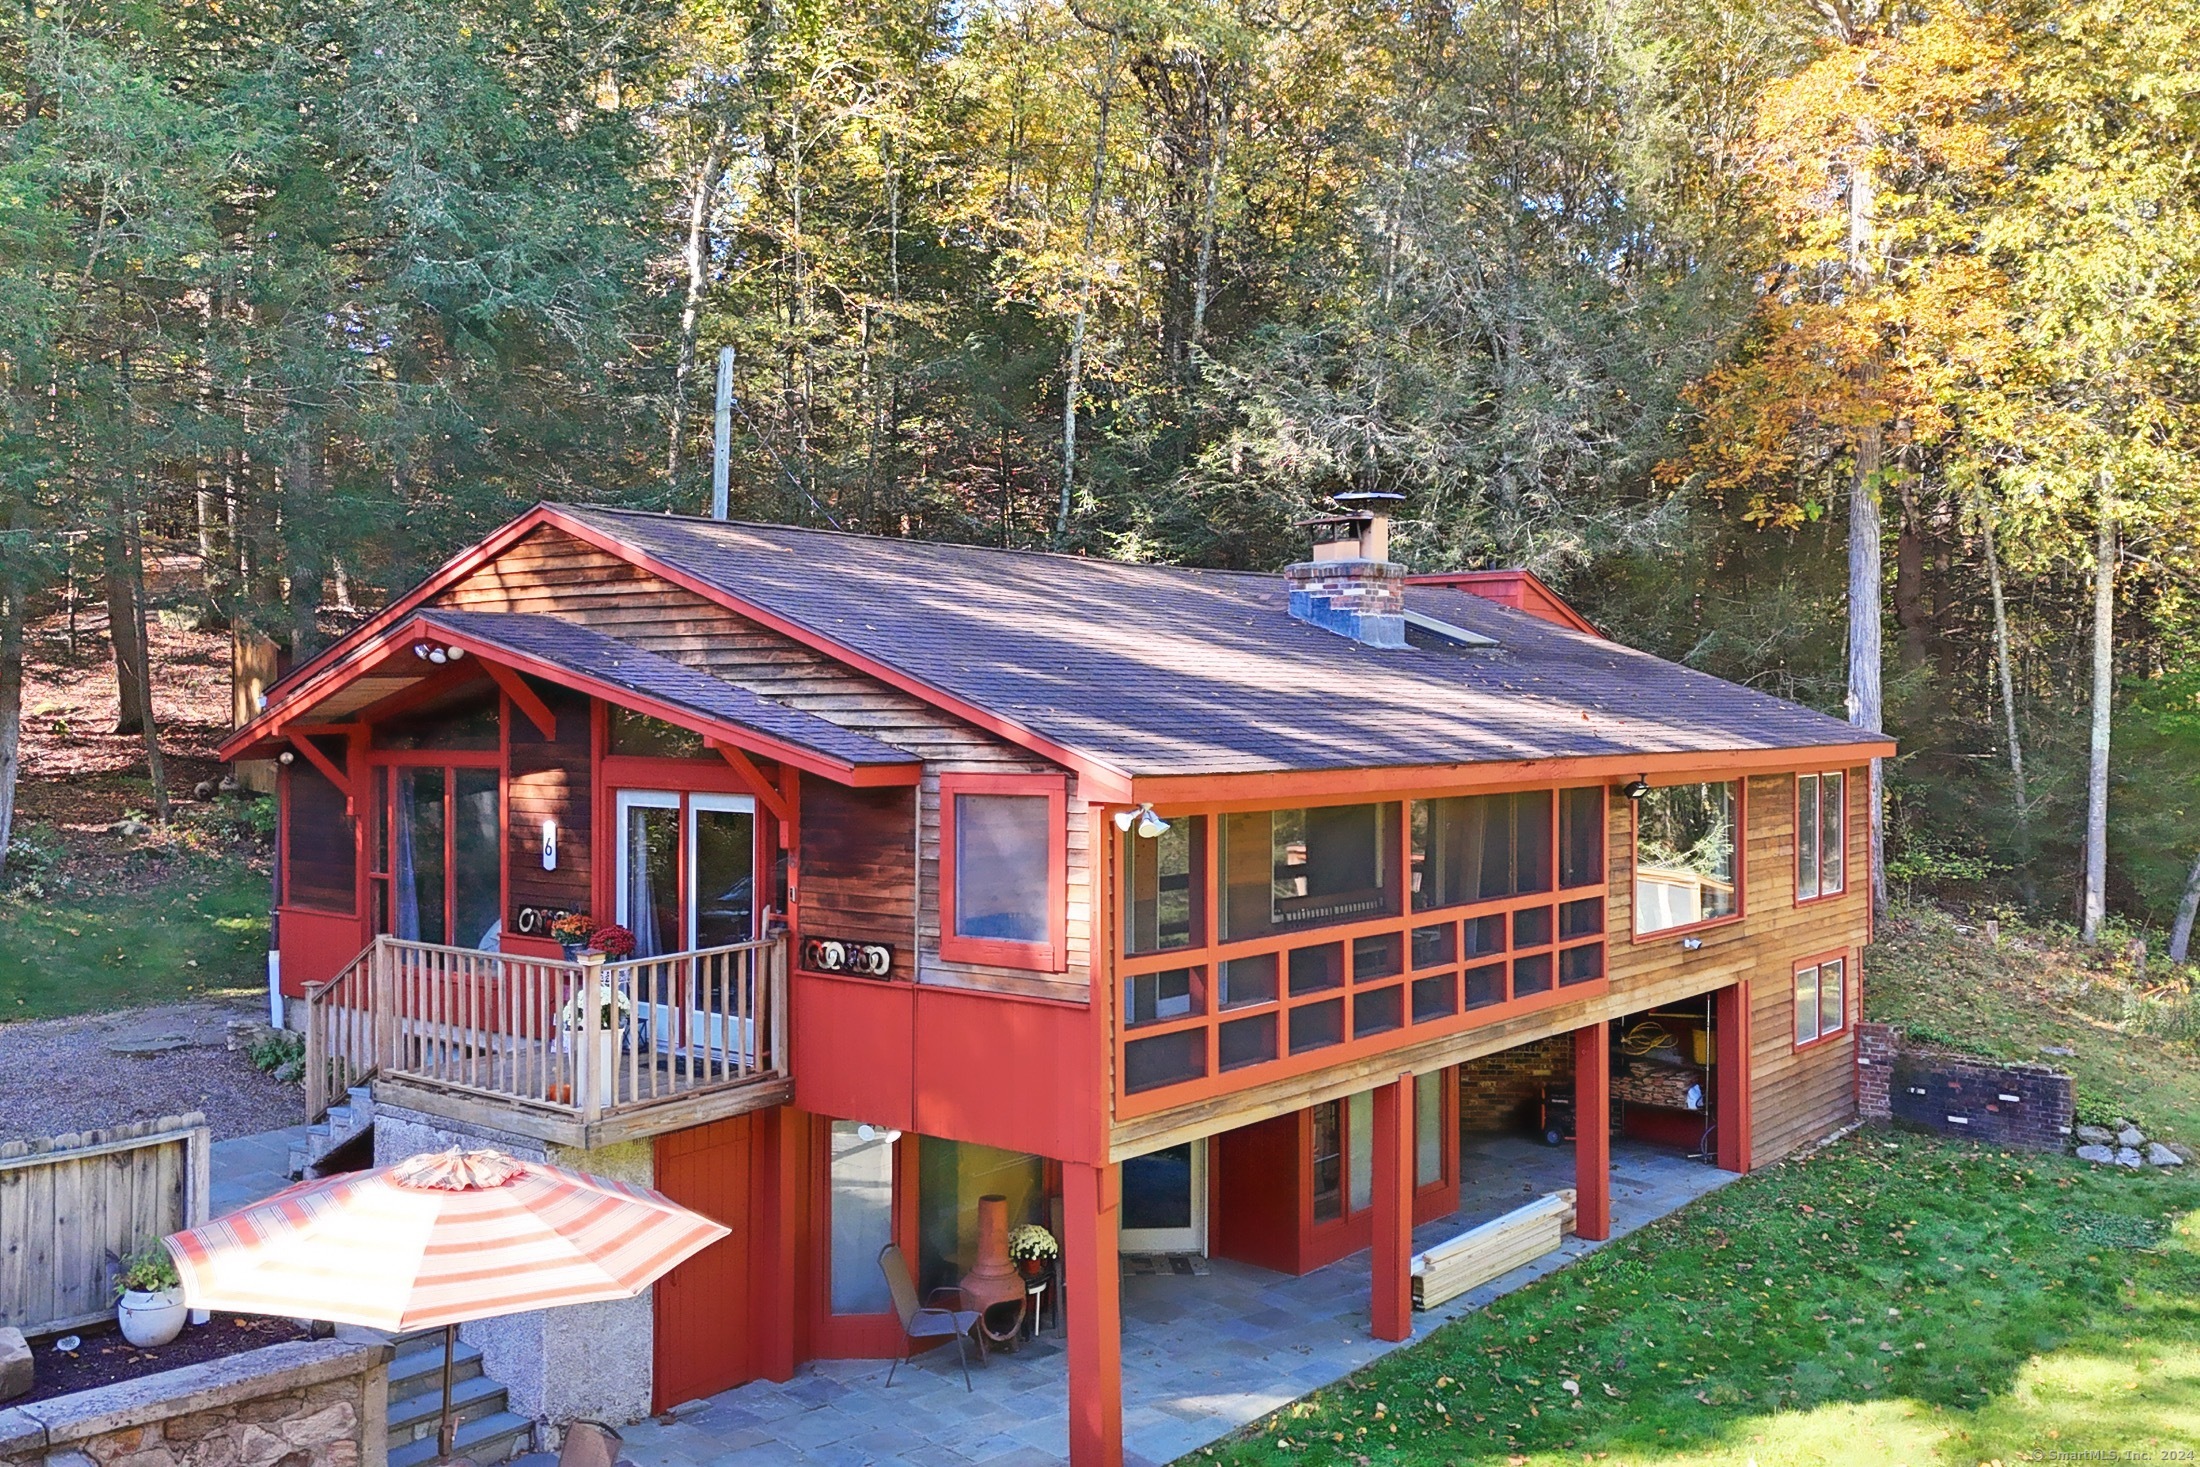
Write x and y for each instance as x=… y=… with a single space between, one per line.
x=1004 y=871
x=1428 y=1128
x=1163 y=882
x=1289 y=870
x=1328 y=1161
x=1479 y=848
x=1821 y=835
x=1359 y=1149
x=1685 y=856
x=631 y=733
x=1821 y=1000
x=320 y=851
x=862 y=1190
x=1581 y=836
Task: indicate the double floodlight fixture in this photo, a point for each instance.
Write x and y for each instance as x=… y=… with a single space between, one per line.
x=1149 y=825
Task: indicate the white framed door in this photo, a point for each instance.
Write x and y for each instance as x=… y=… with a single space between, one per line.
x=1164 y=1206
x=686 y=879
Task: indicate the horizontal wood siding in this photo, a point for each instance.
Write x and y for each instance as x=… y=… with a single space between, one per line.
x=550 y=781
x=859 y=866
x=551 y=573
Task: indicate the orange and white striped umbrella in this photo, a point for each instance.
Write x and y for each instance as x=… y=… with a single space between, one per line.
x=438 y=1239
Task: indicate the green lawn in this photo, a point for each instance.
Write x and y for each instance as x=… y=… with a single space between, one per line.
x=2037 y=989
x=186 y=924
x=1892 y=1299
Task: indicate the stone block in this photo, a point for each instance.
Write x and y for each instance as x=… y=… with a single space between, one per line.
x=2129 y=1156
x=2130 y=1136
x=2160 y=1155
x=17 y=1368
x=2100 y=1154
x=2096 y=1135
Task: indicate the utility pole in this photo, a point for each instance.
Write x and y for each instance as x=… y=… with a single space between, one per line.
x=722 y=435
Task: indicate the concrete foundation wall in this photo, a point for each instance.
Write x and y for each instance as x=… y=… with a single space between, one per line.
x=592 y=1361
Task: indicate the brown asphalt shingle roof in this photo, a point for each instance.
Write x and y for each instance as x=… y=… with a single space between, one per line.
x=1163 y=670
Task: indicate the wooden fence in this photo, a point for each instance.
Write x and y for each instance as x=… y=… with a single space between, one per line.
x=71 y=1206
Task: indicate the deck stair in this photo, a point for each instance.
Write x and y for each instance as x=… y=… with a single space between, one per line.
x=489 y=1431
x=345 y=1134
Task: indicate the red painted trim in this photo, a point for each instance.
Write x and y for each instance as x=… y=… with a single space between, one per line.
x=1051 y=956
x=1839 y=955
x=1730 y=1020
x=1344 y=786
x=328 y=769
x=1091 y=1210
x=1741 y=867
x=1391 y=1283
x=752 y=780
x=1795 y=796
x=523 y=697
x=1592 y=1132
x=1522 y=590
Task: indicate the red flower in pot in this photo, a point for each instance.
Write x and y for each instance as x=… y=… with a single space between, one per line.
x=613 y=941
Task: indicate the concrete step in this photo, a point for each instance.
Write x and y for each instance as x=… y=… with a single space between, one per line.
x=421 y=1415
x=416 y=1369
x=487 y=1442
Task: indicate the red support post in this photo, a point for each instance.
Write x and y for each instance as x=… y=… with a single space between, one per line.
x=1390 y=1310
x=1091 y=1197
x=1592 y=1133
x=1730 y=1076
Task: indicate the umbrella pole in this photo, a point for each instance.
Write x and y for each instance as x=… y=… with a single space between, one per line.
x=444 y=1435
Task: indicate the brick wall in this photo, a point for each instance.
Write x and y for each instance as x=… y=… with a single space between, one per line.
x=2029 y=1106
x=1876 y=1045
x=1500 y=1092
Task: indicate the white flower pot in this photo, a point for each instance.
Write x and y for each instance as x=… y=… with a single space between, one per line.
x=151 y=1319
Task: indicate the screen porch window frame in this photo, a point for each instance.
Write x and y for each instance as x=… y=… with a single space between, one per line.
x=1816 y=890
x=1844 y=962
x=1740 y=857
x=1048 y=956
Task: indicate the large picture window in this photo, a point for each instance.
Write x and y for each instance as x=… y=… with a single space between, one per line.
x=1821 y=1000
x=1479 y=848
x=1686 y=856
x=1003 y=871
x=1821 y=835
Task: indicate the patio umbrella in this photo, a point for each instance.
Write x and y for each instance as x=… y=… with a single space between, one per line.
x=436 y=1240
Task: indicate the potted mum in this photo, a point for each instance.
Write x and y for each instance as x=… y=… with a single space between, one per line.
x=1031 y=1248
x=149 y=1297
x=597 y=1019
x=571 y=932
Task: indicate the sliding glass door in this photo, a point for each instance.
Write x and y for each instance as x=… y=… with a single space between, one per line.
x=439 y=874
x=687 y=870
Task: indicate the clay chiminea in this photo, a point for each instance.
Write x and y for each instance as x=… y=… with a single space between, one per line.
x=993 y=1282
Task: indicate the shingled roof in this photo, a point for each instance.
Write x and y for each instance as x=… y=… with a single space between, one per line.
x=1166 y=670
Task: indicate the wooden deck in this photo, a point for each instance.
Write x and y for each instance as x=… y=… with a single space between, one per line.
x=573 y=1053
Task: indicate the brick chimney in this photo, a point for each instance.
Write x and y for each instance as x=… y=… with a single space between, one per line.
x=1352 y=587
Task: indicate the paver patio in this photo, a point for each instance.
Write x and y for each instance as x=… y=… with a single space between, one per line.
x=1202 y=1355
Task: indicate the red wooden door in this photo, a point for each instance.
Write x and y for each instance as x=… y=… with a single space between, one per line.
x=705 y=1325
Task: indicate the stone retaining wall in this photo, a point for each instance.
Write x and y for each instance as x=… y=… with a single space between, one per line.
x=2029 y=1106
x=309 y=1403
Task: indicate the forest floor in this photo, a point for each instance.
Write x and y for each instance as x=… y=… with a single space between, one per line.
x=104 y=908
x=1891 y=1298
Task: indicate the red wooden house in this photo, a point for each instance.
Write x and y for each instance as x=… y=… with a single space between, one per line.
x=1178 y=907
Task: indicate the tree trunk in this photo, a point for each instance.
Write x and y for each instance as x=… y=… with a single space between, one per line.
x=156 y=769
x=2180 y=933
x=132 y=694
x=1074 y=382
x=2104 y=689
x=2026 y=885
x=11 y=713
x=301 y=562
x=1211 y=188
x=1866 y=578
x=691 y=310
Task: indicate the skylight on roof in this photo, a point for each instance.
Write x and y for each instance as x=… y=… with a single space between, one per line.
x=1416 y=621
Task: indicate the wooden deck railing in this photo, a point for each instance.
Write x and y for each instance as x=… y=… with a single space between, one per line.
x=584 y=1040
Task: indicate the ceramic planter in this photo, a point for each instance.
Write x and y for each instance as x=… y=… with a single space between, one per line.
x=150 y=1319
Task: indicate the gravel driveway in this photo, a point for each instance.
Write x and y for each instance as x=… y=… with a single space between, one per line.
x=82 y=1073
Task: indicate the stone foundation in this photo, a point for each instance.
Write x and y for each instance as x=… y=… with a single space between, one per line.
x=311 y=1403
x=556 y=1365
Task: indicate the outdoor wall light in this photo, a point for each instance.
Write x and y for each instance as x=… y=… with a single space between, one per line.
x=1150 y=826
x=288 y=756
x=1635 y=788
x=438 y=655
x=420 y=650
x=869 y=1132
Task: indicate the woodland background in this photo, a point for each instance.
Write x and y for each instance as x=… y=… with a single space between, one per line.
x=1696 y=307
